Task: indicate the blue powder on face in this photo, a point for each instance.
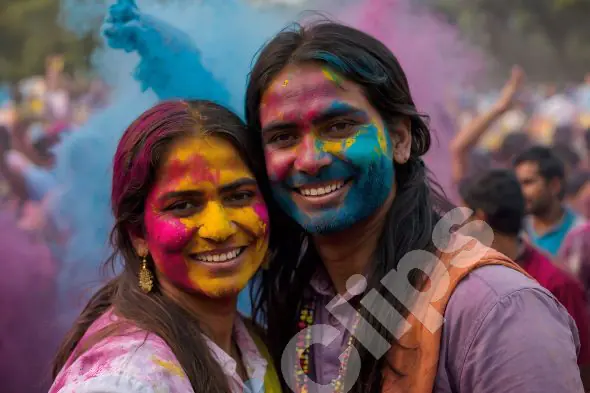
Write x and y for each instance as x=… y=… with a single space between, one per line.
x=372 y=172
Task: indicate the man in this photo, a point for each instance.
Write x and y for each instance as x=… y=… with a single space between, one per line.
x=577 y=193
x=542 y=177
x=497 y=199
x=343 y=141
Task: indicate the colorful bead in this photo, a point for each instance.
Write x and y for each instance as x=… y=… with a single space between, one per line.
x=306 y=319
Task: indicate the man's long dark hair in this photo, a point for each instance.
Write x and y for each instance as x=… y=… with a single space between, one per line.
x=418 y=204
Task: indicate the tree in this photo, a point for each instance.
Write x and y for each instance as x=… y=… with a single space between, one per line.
x=550 y=38
x=30 y=32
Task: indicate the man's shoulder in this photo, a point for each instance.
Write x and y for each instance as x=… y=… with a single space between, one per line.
x=487 y=286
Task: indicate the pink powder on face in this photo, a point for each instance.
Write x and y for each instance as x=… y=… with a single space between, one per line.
x=278 y=164
x=262 y=212
x=167 y=238
x=307 y=94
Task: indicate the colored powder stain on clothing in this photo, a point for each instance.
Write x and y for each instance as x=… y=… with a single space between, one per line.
x=169 y=366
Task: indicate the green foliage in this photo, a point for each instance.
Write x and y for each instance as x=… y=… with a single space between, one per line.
x=550 y=38
x=30 y=32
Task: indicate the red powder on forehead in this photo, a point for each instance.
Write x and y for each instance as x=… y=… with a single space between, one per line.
x=196 y=166
x=300 y=90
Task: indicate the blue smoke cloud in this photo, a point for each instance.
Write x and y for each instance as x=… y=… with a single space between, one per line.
x=189 y=50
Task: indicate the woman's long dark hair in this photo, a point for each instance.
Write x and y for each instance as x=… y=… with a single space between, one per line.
x=418 y=203
x=137 y=160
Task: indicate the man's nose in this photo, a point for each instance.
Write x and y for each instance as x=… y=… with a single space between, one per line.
x=310 y=157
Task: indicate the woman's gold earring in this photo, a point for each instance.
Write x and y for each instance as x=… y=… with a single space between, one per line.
x=146 y=279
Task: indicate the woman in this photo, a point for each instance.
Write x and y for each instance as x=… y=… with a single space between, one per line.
x=191 y=229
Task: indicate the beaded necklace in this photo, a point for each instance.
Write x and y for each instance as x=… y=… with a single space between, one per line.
x=306 y=319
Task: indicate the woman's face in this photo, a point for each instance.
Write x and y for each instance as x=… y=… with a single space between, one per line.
x=206 y=224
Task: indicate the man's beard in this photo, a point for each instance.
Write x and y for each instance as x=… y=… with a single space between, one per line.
x=539 y=208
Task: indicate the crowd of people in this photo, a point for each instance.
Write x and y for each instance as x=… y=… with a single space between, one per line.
x=319 y=196
x=547 y=152
x=34 y=115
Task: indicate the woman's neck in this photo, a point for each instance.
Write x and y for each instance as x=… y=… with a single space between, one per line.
x=216 y=316
x=349 y=252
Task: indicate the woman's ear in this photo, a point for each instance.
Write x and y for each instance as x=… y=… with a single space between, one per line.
x=401 y=138
x=140 y=246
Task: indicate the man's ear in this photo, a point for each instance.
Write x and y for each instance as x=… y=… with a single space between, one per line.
x=401 y=138
x=556 y=185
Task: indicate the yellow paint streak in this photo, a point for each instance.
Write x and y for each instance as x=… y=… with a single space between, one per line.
x=381 y=137
x=335 y=147
x=332 y=76
x=171 y=367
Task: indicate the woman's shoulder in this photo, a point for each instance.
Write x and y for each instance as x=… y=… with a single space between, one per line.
x=132 y=361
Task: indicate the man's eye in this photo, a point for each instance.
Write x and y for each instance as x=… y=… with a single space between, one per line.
x=282 y=139
x=340 y=128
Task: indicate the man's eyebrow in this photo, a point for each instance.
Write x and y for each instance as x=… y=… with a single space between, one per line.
x=339 y=110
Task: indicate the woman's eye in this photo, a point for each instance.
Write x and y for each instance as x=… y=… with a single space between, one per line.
x=181 y=207
x=240 y=197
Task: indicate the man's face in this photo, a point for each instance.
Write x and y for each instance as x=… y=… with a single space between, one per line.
x=537 y=191
x=329 y=155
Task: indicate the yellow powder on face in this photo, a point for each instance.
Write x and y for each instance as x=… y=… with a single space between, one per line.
x=212 y=222
x=218 y=222
x=332 y=76
x=382 y=139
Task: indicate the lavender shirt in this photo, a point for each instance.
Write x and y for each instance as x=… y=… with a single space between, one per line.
x=503 y=333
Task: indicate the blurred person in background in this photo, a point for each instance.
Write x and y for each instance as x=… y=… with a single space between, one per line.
x=468 y=136
x=31 y=158
x=542 y=177
x=583 y=94
x=512 y=145
x=497 y=199
x=568 y=156
x=577 y=193
x=556 y=107
x=575 y=255
x=56 y=97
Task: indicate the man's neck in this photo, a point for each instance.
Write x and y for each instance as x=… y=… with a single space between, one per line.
x=349 y=252
x=544 y=222
x=216 y=316
x=507 y=245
